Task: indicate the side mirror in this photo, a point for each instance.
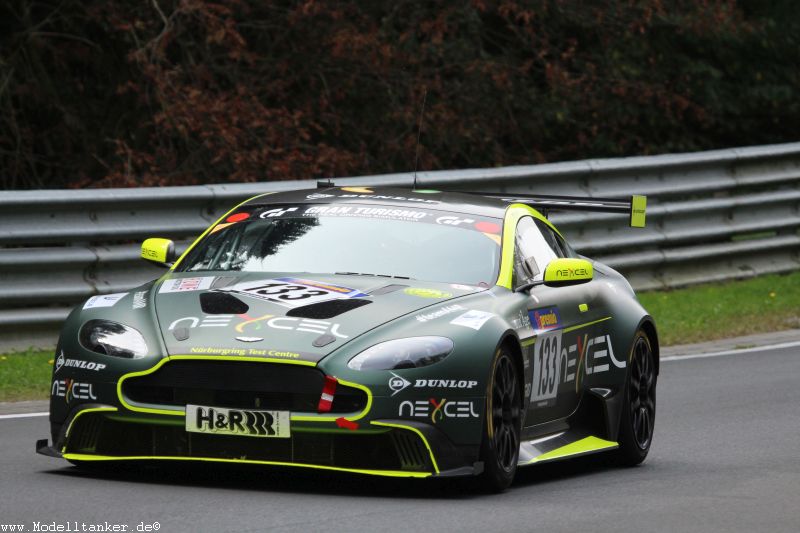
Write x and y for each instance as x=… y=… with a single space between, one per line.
x=158 y=250
x=568 y=271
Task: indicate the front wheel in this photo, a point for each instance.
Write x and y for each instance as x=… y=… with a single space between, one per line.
x=639 y=406
x=501 y=432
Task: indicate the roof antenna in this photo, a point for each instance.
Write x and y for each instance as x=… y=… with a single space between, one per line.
x=419 y=134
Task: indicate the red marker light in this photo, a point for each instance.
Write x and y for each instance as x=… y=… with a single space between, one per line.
x=238 y=217
x=326 y=398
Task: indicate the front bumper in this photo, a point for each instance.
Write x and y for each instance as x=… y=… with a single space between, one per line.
x=145 y=420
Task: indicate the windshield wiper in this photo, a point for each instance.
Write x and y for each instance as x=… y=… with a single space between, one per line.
x=367 y=274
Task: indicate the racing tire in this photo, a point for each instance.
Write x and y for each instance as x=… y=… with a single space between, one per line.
x=501 y=432
x=639 y=404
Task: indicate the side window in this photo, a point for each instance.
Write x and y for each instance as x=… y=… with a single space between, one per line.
x=555 y=241
x=533 y=252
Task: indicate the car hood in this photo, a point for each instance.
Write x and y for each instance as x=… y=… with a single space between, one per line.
x=284 y=316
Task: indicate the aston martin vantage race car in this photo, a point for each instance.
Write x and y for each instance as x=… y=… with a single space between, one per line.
x=381 y=331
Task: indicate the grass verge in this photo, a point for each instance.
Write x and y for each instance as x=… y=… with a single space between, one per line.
x=725 y=310
x=25 y=375
x=695 y=314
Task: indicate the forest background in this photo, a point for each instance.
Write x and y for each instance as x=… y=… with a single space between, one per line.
x=119 y=93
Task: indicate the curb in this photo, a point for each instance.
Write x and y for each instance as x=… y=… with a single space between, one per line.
x=735 y=343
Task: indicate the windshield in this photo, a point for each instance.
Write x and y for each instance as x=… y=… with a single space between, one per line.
x=378 y=240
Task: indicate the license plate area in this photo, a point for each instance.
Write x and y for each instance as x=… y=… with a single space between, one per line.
x=240 y=422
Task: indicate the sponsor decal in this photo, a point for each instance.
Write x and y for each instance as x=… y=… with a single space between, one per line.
x=571 y=272
x=242 y=422
x=446 y=310
x=399 y=383
x=70 y=389
x=545 y=319
x=139 y=300
x=360 y=190
x=318 y=327
x=521 y=320
x=306 y=325
x=242 y=352
x=390 y=213
x=292 y=292
x=357 y=194
x=450 y=220
x=277 y=212
x=104 y=300
x=427 y=293
x=472 y=319
x=186 y=284
x=77 y=363
x=437 y=410
x=208 y=321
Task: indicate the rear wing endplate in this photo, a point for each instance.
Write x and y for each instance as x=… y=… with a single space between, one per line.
x=634 y=206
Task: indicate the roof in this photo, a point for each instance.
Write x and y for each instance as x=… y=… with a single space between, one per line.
x=473 y=204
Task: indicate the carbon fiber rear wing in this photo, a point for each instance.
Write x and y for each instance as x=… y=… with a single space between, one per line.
x=634 y=205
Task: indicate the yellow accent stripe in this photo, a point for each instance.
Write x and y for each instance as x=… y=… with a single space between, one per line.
x=182 y=412
x=208 y=229
x=528 y=342
x=80 y=413
x=391 y=473
x=418 y=432
x=586 y=445
x=579 y=326
x=514 y=212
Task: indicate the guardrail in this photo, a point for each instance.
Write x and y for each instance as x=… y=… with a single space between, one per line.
x=711 y=216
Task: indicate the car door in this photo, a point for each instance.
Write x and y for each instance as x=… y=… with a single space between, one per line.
x=561 y=318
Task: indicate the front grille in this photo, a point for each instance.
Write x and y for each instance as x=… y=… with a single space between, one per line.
x=243 y=385
x=396 y=449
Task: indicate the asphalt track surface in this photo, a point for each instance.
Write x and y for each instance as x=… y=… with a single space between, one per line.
x=725 y=458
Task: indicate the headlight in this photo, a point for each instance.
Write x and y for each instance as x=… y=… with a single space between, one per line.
x=413 y=352
x=111 y=338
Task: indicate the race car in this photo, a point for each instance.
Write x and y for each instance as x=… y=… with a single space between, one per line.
x=394 y=332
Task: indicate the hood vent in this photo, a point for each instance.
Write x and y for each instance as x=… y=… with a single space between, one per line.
x=387 y=289
x=328 y=309
x=222 y=303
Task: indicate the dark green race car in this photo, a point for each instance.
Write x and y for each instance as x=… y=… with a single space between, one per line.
x=379 y=331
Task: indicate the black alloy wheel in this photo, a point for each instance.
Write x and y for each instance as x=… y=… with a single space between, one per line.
x=639 y=410
x=500 y=448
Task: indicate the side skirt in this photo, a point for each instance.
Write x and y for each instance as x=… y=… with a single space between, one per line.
x=561 y=446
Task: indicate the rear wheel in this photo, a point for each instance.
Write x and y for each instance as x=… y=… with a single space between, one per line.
x=639 y=408
x=501 y=433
